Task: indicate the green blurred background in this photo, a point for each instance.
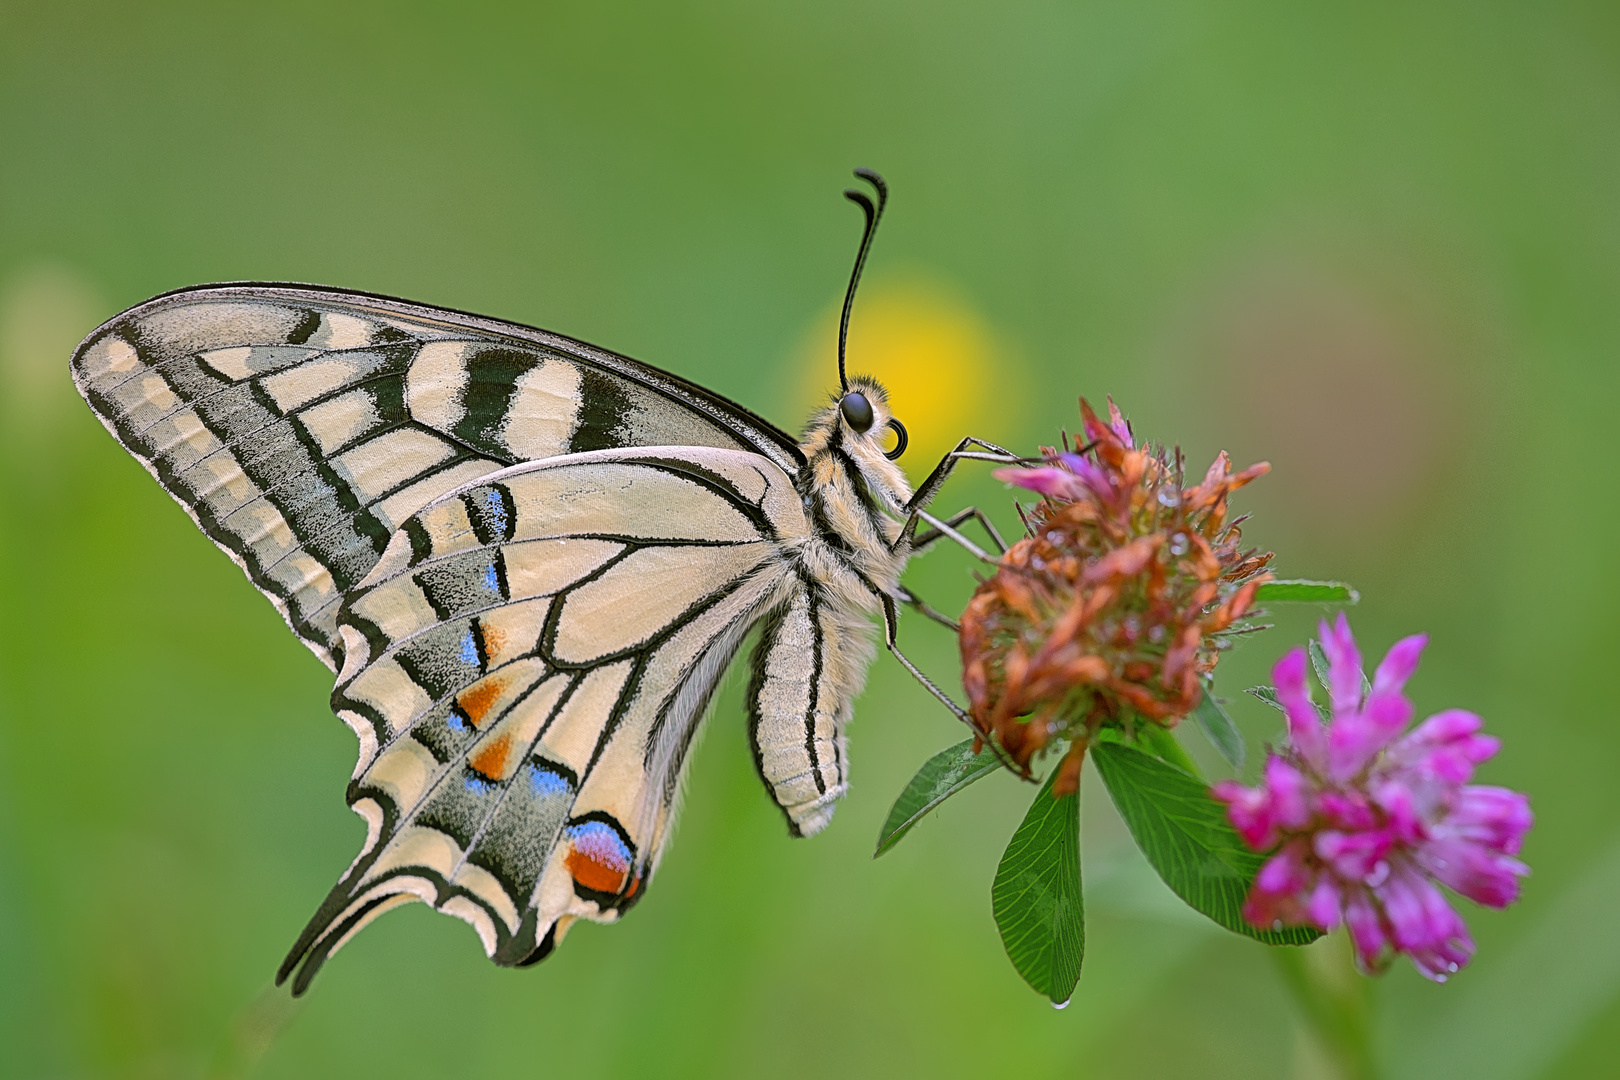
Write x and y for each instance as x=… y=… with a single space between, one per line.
x=1378 y=246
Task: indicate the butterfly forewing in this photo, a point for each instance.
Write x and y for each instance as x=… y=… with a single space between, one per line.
x=301 y=427
x=526 y=666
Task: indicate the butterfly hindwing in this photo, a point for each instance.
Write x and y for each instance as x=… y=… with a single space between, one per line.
x=526 y=667
x=301 y=427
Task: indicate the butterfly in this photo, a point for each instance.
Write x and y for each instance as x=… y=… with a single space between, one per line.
x=528 y=561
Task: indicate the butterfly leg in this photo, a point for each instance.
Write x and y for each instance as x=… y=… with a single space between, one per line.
x=924 y=540
x=891 y=628
x=912 y=600
x=891 y=625
x=929 y=488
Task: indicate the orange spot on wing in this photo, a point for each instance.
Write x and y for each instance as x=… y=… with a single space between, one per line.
x=593 y=874
x=476 y=700
x=491 y=758
x=494 y=638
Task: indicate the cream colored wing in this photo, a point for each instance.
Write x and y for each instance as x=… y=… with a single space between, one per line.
x=525 y=668
x=300 y=426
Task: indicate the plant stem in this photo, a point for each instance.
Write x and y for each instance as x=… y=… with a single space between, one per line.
x=1333 y=1002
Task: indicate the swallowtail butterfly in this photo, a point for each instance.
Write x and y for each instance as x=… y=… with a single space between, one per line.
x=528 y=560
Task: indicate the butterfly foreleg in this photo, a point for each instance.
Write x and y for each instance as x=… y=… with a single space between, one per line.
x=929 y=488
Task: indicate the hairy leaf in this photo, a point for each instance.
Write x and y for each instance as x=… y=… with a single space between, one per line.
x=1185 y=834
x=1036 y=895
x=1268 y=695
x=941 y=776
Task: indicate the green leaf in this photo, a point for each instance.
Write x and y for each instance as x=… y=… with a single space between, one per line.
x=1036 y=895
x=1218 y=728
x=1268 y=695
x=1185 y=834
x=941 y=776
x=1157 y=739
x=1307 y=592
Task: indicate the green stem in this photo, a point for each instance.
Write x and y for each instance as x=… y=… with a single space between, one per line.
x=1332 y=1000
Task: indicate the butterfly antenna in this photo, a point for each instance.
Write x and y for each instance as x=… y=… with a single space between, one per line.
x=873 y=213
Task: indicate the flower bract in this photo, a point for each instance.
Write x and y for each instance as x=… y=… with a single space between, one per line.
x=1114 y=606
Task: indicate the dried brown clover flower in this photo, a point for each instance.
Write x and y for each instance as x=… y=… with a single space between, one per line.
x=1116 y=602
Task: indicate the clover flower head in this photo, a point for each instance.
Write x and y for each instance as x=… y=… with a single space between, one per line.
x=1369 y=819
x=1114 y=605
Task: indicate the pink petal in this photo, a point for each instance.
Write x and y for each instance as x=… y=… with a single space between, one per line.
x=1491 y=815
x=1444 y=960
x=1250 y=811
x=1398 y=664
x=1275 y=897
x=1346 y=810
x=1304 y=728
x=1447 y=726
x=1285 y=873
x=1366 y=928
x=1473 y=870
x=1116 y=420
x=1424 y=925
x=1352 y=856
x=1419 y=915
x=1090 y=476
x=1344 y=665
x=1045 y=479
x=1400 y=806
x=1324 y=907
x=1446 y=746
x=1289 y=806
x=1356 y=736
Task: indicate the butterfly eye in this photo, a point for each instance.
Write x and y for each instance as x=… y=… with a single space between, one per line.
x=857 y=412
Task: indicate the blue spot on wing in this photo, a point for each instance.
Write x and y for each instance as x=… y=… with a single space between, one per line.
x=457 y=724
x=492 y=581
x=601 y=843
x=478 y=785
x=495 y=506
x=547 y=784
x=469 y=647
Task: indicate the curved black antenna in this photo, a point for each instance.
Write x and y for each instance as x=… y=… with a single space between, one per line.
x=900 y=439
x=873 y=214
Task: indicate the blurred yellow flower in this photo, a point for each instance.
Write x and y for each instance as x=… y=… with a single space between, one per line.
x=933 y=351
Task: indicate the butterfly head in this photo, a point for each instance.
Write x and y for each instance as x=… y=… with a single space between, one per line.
x=858 y=427
x=864 y=418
